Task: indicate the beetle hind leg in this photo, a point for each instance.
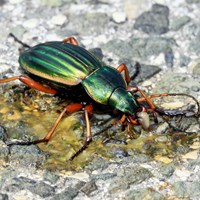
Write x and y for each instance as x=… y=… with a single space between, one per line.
x=68 y=109
x=87 y=110
x=31 y=83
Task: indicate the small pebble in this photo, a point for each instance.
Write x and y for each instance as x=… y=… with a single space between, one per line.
x=163 y=159
x=182 y=174
x=119 y=17
x=59 y=19
x=173 y=105
x=30 y=23
x=162 y=138
x=191 y=155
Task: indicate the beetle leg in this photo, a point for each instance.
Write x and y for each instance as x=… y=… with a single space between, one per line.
x=87 y=110
x=121 y=120
x=124 y=68
x=173 y=94
x=147 y=99
x=68 y=109
x=71 y=40
x=152 y=96
x=30 y=82
x=144 y=98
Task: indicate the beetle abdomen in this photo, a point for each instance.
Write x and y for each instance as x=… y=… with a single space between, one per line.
x=100 y=84
x=60 y=62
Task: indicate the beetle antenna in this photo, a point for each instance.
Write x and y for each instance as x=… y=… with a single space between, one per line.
x=178 y=112
x=19 y=41
x=190 y=96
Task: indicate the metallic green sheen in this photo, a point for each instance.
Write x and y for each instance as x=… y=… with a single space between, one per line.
x=123 y=101
x=69 y=64
x=60 y=62
x=100 y=84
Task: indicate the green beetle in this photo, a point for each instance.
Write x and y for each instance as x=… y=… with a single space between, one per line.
x=64 y=64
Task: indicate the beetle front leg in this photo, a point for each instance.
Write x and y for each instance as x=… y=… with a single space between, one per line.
x=87 y=110
x=31 y=83
x=71 y=40
x=145 y=98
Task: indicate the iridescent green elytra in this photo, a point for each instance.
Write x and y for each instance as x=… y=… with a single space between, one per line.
x=70 y=65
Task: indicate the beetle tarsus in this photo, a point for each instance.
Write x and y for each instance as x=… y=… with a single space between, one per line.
x=27 y=143
x=81 y=149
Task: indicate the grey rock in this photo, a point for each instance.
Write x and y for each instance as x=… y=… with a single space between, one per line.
x=27 y=155
x=89 y=187
x=3 y=196
x=18 y=31
x=168 y=170
x=196 y=69
x=119 y=152
x=142 y=73
x=187 y=189
x=128 y=176
x=179 y=83
x=169 y=58
x=53 y=3
x=192 y=1
x=184 y=61
x=50 y=177
x=88 y=23
x=104 y=177
x=2 y=2
x=97 y=52
x=145 y=194
x=42 y=189
x=195 y=46
x=179 y=22
x=19 y=183
x=155 y=21
x=142 y=48
x=67 y=194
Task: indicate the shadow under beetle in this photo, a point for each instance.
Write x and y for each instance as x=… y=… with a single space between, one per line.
x=62 y=64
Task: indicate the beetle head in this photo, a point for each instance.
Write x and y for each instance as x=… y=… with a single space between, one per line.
x=125 y=102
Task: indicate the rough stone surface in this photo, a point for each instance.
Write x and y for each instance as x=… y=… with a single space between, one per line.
x=155 y=21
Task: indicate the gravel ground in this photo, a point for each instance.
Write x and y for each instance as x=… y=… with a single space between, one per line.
x=164 y=163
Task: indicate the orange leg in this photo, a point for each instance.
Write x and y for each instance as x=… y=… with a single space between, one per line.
x=144 y=98
x=88 y=110
x=124 y=68
x=68 y=109
x=71 y=40
x=152 y=96
x=122 y=120
x=31 y=83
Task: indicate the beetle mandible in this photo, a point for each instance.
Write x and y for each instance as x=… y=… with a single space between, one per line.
x=63 y=64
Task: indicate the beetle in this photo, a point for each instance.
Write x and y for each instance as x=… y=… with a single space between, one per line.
x=52 y=67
